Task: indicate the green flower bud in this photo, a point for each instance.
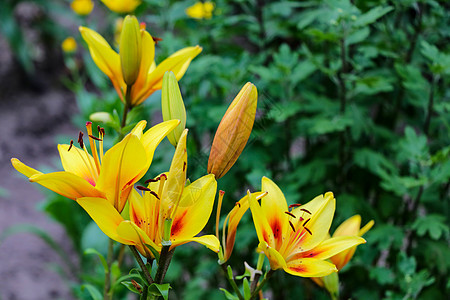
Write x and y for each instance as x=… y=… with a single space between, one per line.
x=172 y=106
x=130 y=49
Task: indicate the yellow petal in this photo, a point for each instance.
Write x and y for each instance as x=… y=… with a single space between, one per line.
x=195 y=208
x=129 y=231
x=274 y=206
x=349 y=227
x=176 y=178
x=152 y=137
x=106 y=59
x=139 y=128
x=276 y=260
x=67 y=184
x=366 y=228
x=78 y=162
x=263 y=229
x=105 y=216
x=148 y=49
x=321 y=211
x=330 y=247
x=310 y=267
x=121 y=168
x=23 y=168
x=177 y=63
x=209 y=241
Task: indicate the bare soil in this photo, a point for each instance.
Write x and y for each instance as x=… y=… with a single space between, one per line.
x=30 y=118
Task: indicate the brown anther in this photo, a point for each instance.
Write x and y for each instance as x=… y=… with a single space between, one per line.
x=304 y=224
x=98 y=128
x=222 y=192
x=70 y=146
x=80 y=139
x=152 y=180
x=143 y=188
x=156 y=40
x=309 y=231
x=294 y=205
x=289 y=213
x=238 y=204
x=305 y=210
x=155 y=194
x=136 y=286
x=184 y=166
x=95 y=138
x=292 y=226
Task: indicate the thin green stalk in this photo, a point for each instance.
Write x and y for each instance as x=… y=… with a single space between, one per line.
x=144 y=269
x=127 y=107
x=261 y=285
x=107 y=294
x=232 y=282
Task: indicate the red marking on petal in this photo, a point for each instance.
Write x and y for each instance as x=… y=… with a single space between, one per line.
x=178 y=223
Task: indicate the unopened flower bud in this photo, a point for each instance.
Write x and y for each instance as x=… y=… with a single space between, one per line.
x=172 y=106
x=130 y=49
x=233 y=131
x=101 y=116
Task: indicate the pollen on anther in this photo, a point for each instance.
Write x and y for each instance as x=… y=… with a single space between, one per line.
x=289 y=213
x=143 y=188
x=305 y=210
x=304 y=224
x=238 y=204
x=292 y=226
x=184 y=166
x=151 y=180
x=155 y=194
x=80 y=139
x=70 y=146
x=309 y=231
x=294 y=205
x=95 y=138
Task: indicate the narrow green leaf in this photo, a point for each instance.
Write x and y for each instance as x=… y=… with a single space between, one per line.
x=160 y=290
x=93 y=291
x=102 y=258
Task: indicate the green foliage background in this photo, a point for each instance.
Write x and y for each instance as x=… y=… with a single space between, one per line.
x=353 y=98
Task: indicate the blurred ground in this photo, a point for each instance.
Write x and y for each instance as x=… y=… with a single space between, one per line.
x=30 y=118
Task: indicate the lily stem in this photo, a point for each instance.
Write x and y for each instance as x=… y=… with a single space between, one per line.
x=107 y=294
x=232 y=282
x=144 y=269
x=261 y=285
x=127 y=107
x=164 y=262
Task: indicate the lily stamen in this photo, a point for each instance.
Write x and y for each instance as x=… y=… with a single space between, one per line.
x=70 y=146
x=143 y=188
x=290 y=214
x=292 y=226
x=305 y=210
x=294 y=205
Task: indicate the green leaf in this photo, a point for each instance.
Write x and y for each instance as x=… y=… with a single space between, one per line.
x=102 y=258
x=247 y=292
x=434 y=224
x=126 y=277
x=382 y=275
x=228 y=295
x=130 y=286
x=159 y=290
x=93 y=291
x=372 y=15
x=406 y=265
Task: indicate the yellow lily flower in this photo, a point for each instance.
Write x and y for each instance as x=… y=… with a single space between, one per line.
x=69 y=45
x=296 y=240
x=232 y=221
x=150 y=76
x=110 y=176
x=200 y=10
x=82 y=7
x=165 y=197
x=350 y=227
x=122 y=6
